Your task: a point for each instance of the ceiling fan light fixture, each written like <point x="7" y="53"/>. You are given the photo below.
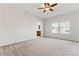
<point x="47" y="9"/>
<point x="47" y="6"/>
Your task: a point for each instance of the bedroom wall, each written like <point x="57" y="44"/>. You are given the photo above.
<point x="16" y="25"/>
<point x="73" y="18"/>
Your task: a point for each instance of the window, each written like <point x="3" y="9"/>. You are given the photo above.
<point x="55" y="28"/>
<point x="64" y="27"/>
<point x="61" y="27"/>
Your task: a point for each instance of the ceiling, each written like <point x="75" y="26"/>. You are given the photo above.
<point x="32" y="9"/>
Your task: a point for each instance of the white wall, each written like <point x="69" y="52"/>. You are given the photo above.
<point x="15" y="25"/>
<point x="74" y="26"/>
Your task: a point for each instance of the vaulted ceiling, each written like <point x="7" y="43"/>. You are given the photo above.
<point x="32" y="9"/>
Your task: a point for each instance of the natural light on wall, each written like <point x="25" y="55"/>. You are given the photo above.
<point x="38" y="26"/>
<point x="60" y="27"/>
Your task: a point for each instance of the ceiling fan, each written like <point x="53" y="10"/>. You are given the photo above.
<point x="47" y="7"/>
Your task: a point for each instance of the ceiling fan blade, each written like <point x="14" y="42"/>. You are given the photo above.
<point x="45" y="4"/>
<point x="41" y="8"/>
<point x="44" y="11"/>
<point x="53" y="5"/>
<point x="51" y="9"/>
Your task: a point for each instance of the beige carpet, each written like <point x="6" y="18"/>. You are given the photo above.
<point x="41" y="47"/>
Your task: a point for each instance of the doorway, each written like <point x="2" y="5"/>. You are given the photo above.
<point x="38" y="33"/>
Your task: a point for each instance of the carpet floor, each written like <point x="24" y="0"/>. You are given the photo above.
<point x="41" y="47"/>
